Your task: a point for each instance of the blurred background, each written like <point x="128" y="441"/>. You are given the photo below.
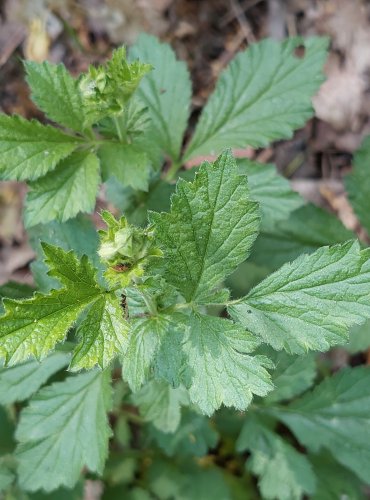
<point x="206" y="34"/>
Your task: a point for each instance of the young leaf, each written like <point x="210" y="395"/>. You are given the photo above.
<point x="335" y="416"/>
<point x="307" y="229"/>
<point x="166" y="91"/>
<point x="56" y="93"/>
<point x="358" y="184"/>
<point x="160" y="404"/>
<point x="264" y="95"/>
<point x="106" y="89"/>
<point x="63" y="193"/>
<point x="273" y="192"/>
<point x="64" y="428"/>
<point x="33" y="326"/>
<point x="312" y="302"/>
<point x="126" y="163"/>
<point x="103" y="334"/>
<point x="210" y="229"/>
<point x="18" y="383"/>
<point x="29" y="150"/>
<point x="283" y="473"/>
<point x="221" y="371"/>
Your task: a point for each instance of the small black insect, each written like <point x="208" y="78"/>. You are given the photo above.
<point x="124" y="306"/>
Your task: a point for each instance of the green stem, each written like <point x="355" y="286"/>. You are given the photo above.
<point x="172" y="171"/>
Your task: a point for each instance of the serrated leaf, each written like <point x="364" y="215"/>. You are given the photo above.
<point x="284" y="474"/>
<point x="103" y="334"/>
<point x="28" y="149"/>
<point x="166" y="91"/>
<point x="64" y="428"/>
<point x="304" y="231"/>
<point x="126" y="163"/>
<point x="277" y="199"/>
<point x="335" y="416"/>
<point x="194" y="436"/>
<point x="312" y="302"/>
<point x="292" y="375"/>
<point x="221" y="370"/>
<point x="76" y="274"/>
<point x="264" y="95"/>
<point x="18" y="383"/>
<point x="33" y="326"/>
<point x="160" y="404"/>
<point x="210" y="229"/>
<point x="56" y="93"/>
<point x="358" y="184"/>
<point x="63" y="193"/>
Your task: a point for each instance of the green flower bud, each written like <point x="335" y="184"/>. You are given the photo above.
<point x="125" y="249"/>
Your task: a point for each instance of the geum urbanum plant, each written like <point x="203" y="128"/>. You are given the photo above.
<point x="149" y="301"/>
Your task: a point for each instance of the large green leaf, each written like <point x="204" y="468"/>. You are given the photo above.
<point x="64" y="428"/>
<point x="210" y="229"/>
<point x="18" y="383"/>
<point x="221" y="370"/>
<point x="33" y="326"/>
<point x="56" y="93"/>
<point x="283" y="473"/>
<point x="335" y="416"/>
<point x="312" y="302"/>
<point x="63" y="193"/>
<point x="264" y="95"/>
<point x="29" y="150"/>
<point x="358" y="184"/>
<point x="166" y="91"/>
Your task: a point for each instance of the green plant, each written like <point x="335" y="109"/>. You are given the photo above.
<point x="158" y="314"/>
